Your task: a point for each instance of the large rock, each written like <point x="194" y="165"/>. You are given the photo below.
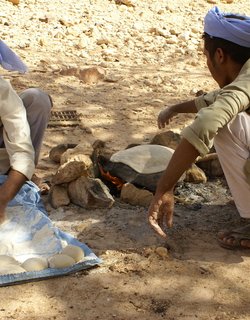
<point x="168" y="139"/>
<point x="72" y="170"/>
<point x="210" y="164"/>
<point x="57" y="151"/>
<point x="90" y="193"/>
<point x="59" y="196"/>
<point x="78" y="153"/>
<point x="195" y="175"/>
<point x="135" y="196"/>
<point x="91" y="75"/>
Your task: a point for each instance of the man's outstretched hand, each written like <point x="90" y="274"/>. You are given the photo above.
<point x="160" y="213"/>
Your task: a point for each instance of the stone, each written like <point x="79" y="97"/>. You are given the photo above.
<point x="72" y="170"/>
<point x="15" y="2"/>
<point x="84" y="149"/>
<point x="125" y="2"/>
<point x="90" y="193"/>
<point x="135" y="196"/>
<point x="91" y="75"/>
<point x="101" y="41"/>
<point x="168" y="139"/>
<point x="171" y="40"/>
<point x="195" y="175"/>
<point x="162" y="252"/>
<point x="215" y="169"/>
<point x="56" y="152"/>
<point x="58" y="196"/>
<point x="69" y="71"/>
<point x="210" y="164"/>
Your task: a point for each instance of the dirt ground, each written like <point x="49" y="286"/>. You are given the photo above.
<point x="152" y="55"/>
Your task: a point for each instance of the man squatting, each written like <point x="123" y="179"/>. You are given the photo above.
<point x="222" y="119"/>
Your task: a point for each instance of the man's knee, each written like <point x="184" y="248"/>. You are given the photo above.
<point x="35" y="97"/>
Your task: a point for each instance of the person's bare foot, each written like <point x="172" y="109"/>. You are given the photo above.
<point x="238" y="238"/>
<point x="43" y="186"/>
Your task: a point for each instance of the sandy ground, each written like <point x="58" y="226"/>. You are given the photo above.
<point x="152" y="55"/>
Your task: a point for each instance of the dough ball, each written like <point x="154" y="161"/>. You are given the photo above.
<point x="35" y="264"/>
<point x="11" y="269"/>
<point x="4" y="259"/>
<point x="61" y="261"/>
<point x="74" y="251"/>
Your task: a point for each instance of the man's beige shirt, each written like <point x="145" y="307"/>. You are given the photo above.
<point x="218" y="108"/>
<point x="18" y="153"/>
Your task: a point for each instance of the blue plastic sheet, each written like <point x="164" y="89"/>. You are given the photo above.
<point x="28" y="221"/>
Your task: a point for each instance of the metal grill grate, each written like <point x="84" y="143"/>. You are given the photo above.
<point x="64" y="118"/>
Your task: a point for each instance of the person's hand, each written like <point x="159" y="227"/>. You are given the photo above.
<point x="165" y="116"/>
<point x="161" y="212"/>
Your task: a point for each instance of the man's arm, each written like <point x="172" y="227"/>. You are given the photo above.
<point x="16" y="131"/>
<point x="17" y="141"/>
<point x="9" y="189"/>
<point x="168" y="113"/>
<point x="162" y="206"/>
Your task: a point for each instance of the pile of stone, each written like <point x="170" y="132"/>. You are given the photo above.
<point x="78" y="180"/>
<point x="75" y="179"/>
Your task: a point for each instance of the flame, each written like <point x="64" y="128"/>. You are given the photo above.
<point x="116" y="181"/>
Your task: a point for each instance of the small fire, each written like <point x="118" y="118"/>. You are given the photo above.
<point x="116" y="181"/>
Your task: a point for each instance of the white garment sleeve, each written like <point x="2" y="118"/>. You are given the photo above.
<point x="16" y="131"/>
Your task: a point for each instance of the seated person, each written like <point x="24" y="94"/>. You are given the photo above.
<point x="23" y="120"/>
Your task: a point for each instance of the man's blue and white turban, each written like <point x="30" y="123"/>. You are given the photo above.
<point x="228" y="26"/>
<point x="9" y="60"/>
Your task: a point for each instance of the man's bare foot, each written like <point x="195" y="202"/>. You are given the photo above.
<point x="43" y="186"/>
<point x="238" y="238"/>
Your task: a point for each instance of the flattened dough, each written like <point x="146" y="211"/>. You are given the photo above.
<point x="145" y="159"/>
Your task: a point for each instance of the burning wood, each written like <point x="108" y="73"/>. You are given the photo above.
<point x="107" y="176"/>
